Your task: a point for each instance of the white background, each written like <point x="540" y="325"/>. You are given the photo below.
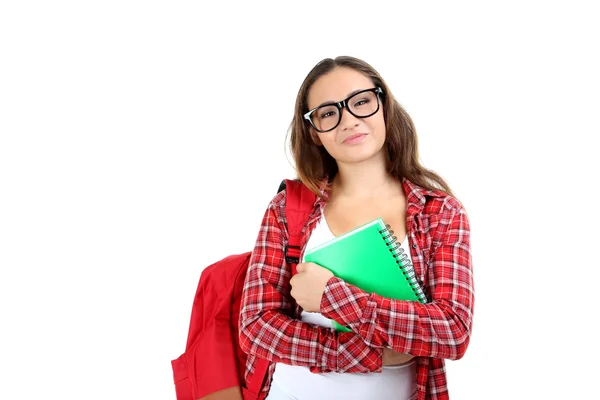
<point x="142" y="140"/>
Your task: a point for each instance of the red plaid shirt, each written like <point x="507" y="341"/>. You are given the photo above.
<point x="269" y="322"/>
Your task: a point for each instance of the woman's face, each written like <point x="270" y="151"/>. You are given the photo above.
<point x="354" y="139"/>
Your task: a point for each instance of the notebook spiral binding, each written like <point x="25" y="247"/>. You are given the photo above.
<point x="403" y="261"/>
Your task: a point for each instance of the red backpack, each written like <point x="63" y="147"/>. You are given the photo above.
<point x="213" y="365"/>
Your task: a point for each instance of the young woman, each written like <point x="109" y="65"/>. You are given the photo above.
<point x="356" y="148"/>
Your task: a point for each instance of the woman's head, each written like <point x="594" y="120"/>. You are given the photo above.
<point x="345" y="116"/>
<point x="373" y="118"/>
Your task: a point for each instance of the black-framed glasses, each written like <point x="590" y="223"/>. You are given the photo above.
<point x="362" y="104"/>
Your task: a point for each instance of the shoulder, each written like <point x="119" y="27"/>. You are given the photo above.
<point x="442" y="203"/>
<point x="299" y="196"/>
<point x="278" y="201"/>
<point x="439" y="215"/>
<point x="276" y="207"/>
<point x="432" y="201"/>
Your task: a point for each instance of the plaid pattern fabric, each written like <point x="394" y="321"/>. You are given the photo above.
<point x="269" y="321"/>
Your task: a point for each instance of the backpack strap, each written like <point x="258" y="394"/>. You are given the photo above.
<point x="299" y="202"/>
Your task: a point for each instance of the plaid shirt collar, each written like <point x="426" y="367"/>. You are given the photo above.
<point x="415" y="197"/>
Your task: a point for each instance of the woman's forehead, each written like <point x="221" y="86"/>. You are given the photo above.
<point x="337" y="85"/>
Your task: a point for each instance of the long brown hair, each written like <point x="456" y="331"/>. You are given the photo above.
<point x="314" y="165"/>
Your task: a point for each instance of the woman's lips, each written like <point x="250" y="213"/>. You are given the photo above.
<point x="354" y="139"/>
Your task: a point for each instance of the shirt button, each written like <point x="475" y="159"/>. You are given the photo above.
<point x="414" y="245"/>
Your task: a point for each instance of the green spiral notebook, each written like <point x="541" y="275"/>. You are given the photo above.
<point x="370" y="258"/>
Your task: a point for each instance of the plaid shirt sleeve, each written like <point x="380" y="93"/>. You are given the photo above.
<point x="441" y="328"/>
<point x="267" y="327"/>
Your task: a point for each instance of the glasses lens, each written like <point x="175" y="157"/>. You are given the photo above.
<point x="363" y="104"/>
<point x="326" y="117"/>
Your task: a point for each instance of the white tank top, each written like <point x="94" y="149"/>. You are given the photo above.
<point x="292" y="382"/>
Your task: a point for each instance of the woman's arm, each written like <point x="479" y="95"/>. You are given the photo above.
<point x="438" y="329"/>
<point x="267" y="328"/>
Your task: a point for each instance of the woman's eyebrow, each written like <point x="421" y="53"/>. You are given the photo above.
<point x="331" y="101"/>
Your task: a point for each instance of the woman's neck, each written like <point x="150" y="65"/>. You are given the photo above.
<point x="368" y="179"/>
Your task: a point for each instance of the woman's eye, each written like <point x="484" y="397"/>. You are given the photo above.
<point x="361" y="103"/>
<point x="327" y="114"/>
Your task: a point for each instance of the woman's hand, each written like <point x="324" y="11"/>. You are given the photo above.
<point x="392" y="357"/>
<point x="309" y="284"/>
